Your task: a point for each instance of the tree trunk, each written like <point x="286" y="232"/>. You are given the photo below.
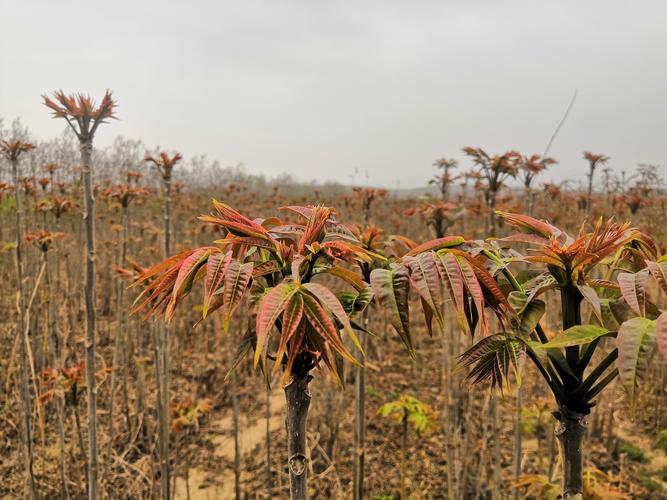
<point x="491" y="202"/>
<point x="25" y="378"/>
<point x="164" y="372"/>
<point x="570" y="431"/>
<point x="360" y="421"/>
<point x="235" y="425"/>
<point x="298" y="401"/>
<point x="167" y="216"/>
<point x="404" y="452"/>
<point x="89" y="291"/>
<point x="589" y="196"/>
<point x="517" y="439"/>
<point x="269" y="475"/>
<point x="119" y="348"/>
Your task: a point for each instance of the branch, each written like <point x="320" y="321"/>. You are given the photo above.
<point x="603" y="383"/>
<point x="560" y="124"/>
<point x="557" y="392"/>
<point x="597" y="372"/>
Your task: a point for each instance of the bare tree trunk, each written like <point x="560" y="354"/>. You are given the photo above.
<point x="163" y="455"/>
<point x="447" y="413"/>
<point x="89" y="291"/>
<point x="235" y="425"/>
<point x="491" y="204"/>
<point x="25" y="377"/>
<point x="298" y="401"/>
<point x="404" y="451"/>
<point x="360" y="420"/>
<point x="269" y="476"/>
<point x="589" y="196"/>
<point x="570" y="432"/>
<point x="495" y="453"/>
<point x="118" y="344"/>
<point x="517" y="439"/>
<point x="163" y="373"/>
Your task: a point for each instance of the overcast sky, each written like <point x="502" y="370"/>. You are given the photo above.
<point x="319" y="88"/>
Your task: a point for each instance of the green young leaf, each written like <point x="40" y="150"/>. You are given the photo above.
<point x="475" y="291"/>
<point x="356" y="302"/>
<point x="435" y="245"/>
<point x="237" y="278"/>
<point x="453" y="277"/>
<point x="659" y="272"/>
<point x="425" y="280"/>
<point x="609" y="320"/>
<point x="244" y="348"/>
<point x="392" y="287"/>
<point x="591" y="296"/>
<point x="576" y="335"/>
<point x="324" y="326"/>
<point x="186" y="276"/>
<point x="635" y="343"/>
<point x="661" y="335"/>
<point x="531" y="317"/>
<point x="529" y="310"/>
<point x="292" y="316"/>
<point x="215" y="273"/>
<point x="346" y="275"/>
<point x="491" y="358"/>
<point x="633" y="289"/>
<point x="270" y="308"/>
<point x="331" y="302"/>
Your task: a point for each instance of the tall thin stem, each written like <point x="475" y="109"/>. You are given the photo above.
<point x="89" y="292"/>
<point x="25" y="390"/>
<point x="298" y="401"/>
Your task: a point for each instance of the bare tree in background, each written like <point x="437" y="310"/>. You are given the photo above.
<point x="84" y="116"/>
<point x="529" y="168"/>
<point x="165" y="165"/>
<point x="12" y="151"/>
<point x="594" y="160"/>
<point x="446" y="179"/>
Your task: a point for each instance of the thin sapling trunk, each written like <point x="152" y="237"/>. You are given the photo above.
<point x="298" y="398"/>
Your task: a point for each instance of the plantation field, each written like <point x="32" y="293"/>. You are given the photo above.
<point x="429" y="431"/>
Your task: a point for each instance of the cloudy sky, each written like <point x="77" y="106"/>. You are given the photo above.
<point x="319" y="89"/>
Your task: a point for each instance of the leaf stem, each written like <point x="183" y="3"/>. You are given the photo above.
<point x="597" y="372"/>
<point x="603" y="383"/>
<point x="558" y="393"/>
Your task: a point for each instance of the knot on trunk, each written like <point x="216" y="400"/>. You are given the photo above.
<point x="306" y="390"/>
<point x="297" y="464"/>
<point x="564" y="416"/>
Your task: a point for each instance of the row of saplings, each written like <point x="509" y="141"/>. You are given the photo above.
<point x="299" y="321"/>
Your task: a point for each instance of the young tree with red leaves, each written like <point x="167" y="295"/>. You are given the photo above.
<point x="84" y="116"/>
<point x="124" y="194"/>
<point x="165" y="165"/>
<point x="280" y="264"/>
<point x="529" y="168"/>
<point x="12" y="151"/>
<point x="478" y="276"/>
<point x="446" y="179"/>
<point x="495" y="171"/>
<point x="594" y="160"/>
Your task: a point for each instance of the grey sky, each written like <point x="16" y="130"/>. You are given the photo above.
<point x="318" y="88"/>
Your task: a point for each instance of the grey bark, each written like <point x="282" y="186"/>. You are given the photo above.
<point x="269" y="475"/>
<point x="89" y="292"/>
<point x="163" y="372"/>
<point x="570" y="432"/>
<point x="235" y="424"/>
<point x="360" y="420"/>
<point x="119" y="348"/>
<point x="25" y="377"/>
<point x="298" y="398"/>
